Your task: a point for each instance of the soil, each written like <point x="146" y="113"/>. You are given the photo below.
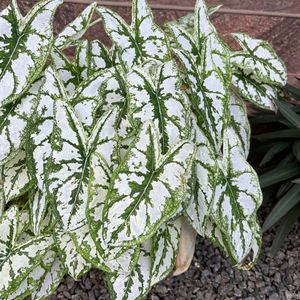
<point x="212" y="277"/>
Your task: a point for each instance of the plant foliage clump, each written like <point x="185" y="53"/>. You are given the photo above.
<point x="104" y="157"/>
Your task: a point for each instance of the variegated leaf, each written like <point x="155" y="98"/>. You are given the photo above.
<point x="164" y="250"/>
<point x="206" y="64"/>
<point x="161" y="100"/>
<point x="240" y="123"/>
<point x="20" y="261"/>
<point x="23" y="225"/>
<point x="260" y="94"/>
<point x="51" y="281"/>
<point x="237" y="198"/>
<point x="260" y="60"/>
<point x="38" y="147"/>
<point x="136" y="284"/>
<point x="204" y="184"/>
<point x="69" y="168"/>
<point x="38" y="210"/>
<point x="141" y="41"/>
<point x="8" y="231"/>
<point x="14" y="120"/>
<point x="76" y="29"/>
<point x="146" y="189"/>
<point x="33" y="279"/>
<point x="67" y="175"/>
<point x="70" y="74"/>
<point x="92" y="56"/>
<point x="16" y="179"/>
<point x="187" y="22"/>
<point x="112" y="258"/>
<point x="88" y="97"/>
<point x="24" y="47"/>
<point x="2" y="200"/>
<point x="76" y="266"/>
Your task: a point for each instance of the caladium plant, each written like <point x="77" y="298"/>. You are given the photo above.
<point x="116" y="158"/>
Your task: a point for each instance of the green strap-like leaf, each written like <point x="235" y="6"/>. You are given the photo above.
<point x="16" y="179"/>
<point x="14" y="122"/>
<point x="261" y="95"/>
<point x="160" y="99"/>
<point x="24" y="47"/>
<point x="146" y="189"/>
<point x="21" y="261"/>
<point x="259" y="59"/>
<point x="76" y="29"/>
<point x="76" y="266"/>
<point x="8" y="231"/>
<point x="141" y="41"/>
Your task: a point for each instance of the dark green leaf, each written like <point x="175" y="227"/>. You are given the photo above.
<point x="279" y="174"/>
<point x="285" y="228"/>
<point x="286" y="203"/>
<point x="277" y="148"/>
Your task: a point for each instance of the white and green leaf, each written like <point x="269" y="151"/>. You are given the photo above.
<point x="135" y="284"/>
<point x="240" y="123"/>
<point x="260" y="94"/>
<point x="50" y="282"/>
<point x="203" y="183"/>
<point x="237" y="199"/>
<point x="67" y="176"/>
<point x="75" y="265"/>
<point x="8" y="231"/>
<point x="14" y="122"/>
<point x="76" y="29"/>
<point x="38" y="148"/>
<point x="38" y="210"/>
<point x="33" y="279"/>
<point x="164" y="250"/>
<point x="141" y="41"/>
<point x="146" y="189"/>
<point x="259" y="59"/>
<point x="24" y="47"/>
<point x="161" y="100"/>
<point x="16" y="179"/>
<point x="20" y="261"/>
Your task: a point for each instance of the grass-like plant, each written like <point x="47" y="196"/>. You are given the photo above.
<point x="109" y="159"/>
<point x="278" y="151"/>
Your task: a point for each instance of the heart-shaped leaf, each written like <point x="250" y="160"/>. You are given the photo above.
<point x="146" y="189"/>
<point x="141" y="41"/>
<point x="160" y="99"/>
<point x="24" y="47"/>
